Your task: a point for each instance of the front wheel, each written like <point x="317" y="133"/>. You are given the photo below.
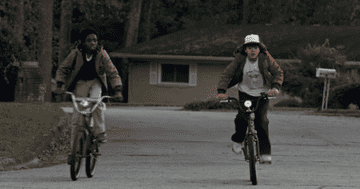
<point x="91" y="158"/>
<point x="76" y="155"/>
<point x="252" y="159"/>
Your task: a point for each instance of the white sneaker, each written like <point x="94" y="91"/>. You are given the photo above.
<point x="265" y="159"/>
<point x="237" y="147"/>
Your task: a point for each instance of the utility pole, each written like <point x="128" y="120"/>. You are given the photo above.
<point x="45" y="59"/>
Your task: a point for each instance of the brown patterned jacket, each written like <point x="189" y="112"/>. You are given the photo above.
<point x="70" y="67"/>
<point x="269" y="69"/>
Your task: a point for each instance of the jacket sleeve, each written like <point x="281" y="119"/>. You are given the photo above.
<point x="111" y="72"/>
<point x="276" y="72"/>
<point x="226" y="76"/>
<point x="65" y="68"/>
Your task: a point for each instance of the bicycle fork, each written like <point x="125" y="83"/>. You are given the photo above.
<point x="91" y="139"/>
<point x="251" y="131"/>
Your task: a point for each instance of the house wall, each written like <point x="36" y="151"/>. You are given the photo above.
<point x="141" y="92"/>
<point x="208" y="75"/>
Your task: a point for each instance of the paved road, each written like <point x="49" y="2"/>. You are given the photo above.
<point x="156" y="147"/>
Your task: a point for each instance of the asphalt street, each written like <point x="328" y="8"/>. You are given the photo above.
<point x="162" y="147"/>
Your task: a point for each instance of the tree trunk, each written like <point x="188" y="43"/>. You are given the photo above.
<point x="246" y="12"/>
<point x="19" y="22"/>
<point x="133" y="23"/>
<point x="45" y="59"/>
<point x="148" y="22"/>
<point x="65" y="24"/>
<point x="131" y="39"/>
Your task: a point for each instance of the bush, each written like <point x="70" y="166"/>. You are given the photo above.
<point x="342" y="96"/>
<point x="210" y="104"/>
<point x="288" y="103"/>
<point x="28" y="131"/>
<point x="301" y="80"/>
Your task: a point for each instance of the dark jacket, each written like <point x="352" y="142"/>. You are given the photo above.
<point x="70" y="67"/>
<point x="269" y="69"/>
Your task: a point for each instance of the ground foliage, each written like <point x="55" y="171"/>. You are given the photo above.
<point x="32" y="130"/>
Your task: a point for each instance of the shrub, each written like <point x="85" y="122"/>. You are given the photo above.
<point x="28" y="131"/>
<point x="210" y="104"/>
<point x="301" y="80"/>
<point x="342" y="96"/>
<point x="292" y="102"/>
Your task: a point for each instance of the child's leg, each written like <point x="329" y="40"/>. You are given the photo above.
<point x="262" y="128"/>
<point x="98" y="115"/>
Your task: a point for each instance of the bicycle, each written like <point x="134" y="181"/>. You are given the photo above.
<point x="85" y="144"/>
<point x="251" y="142"/>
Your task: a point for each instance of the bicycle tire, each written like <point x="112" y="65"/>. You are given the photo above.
<point x="91" y="159"/>
<point x="77" y="155"/>
<point x="252" y="160"/>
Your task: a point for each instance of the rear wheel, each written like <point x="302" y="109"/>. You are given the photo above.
<point x="252" y="159"/>
<point x="76" y="155"/>
<point x="91" y="158"/>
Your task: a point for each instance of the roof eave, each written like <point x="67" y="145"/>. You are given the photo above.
<point x="172" y="57"/>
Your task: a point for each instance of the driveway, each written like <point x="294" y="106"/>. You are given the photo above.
<point x="162" y="147"/>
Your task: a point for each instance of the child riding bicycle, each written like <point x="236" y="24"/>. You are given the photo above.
<point x="85" y="72"/>
<point x="254" y="71"/>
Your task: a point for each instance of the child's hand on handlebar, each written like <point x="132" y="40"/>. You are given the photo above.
<point x="59" y="91"/>
<point x="118" y="95"/>
<point x="273" y="92"/>
<point x="222" y="96"/>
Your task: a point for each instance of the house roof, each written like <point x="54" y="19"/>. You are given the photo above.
<point x="170" y="57"/>
<point x="218" y="59"/>
<point x="282" y="41"/>
<point x="215" y="59"/>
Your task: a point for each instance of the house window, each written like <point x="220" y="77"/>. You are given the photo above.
<point x="175" y="73"/>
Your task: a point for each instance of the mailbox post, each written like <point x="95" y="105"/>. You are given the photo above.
<point x="327" y="74"/>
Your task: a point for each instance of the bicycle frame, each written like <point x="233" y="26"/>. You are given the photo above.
<point x="250" y="116"/>
<point x="86" y="102"/>
<point x="251" y="150"/>
<point x="86" y="136"/>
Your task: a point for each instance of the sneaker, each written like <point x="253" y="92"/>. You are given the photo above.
<point x="102" y="138"/>
<point x="265" y="159"/>
<point x="238" y="148"/>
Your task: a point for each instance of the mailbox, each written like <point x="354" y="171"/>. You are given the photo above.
<point x="322" y="72"/>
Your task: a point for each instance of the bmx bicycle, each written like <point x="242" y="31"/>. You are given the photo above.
<point x="251" y="141"/>
<point x="85" y="144"/>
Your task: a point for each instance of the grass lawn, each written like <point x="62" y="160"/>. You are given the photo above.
<point x="31" y="130"/>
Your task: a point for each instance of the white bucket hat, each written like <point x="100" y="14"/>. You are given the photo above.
<point x="252" y="38"/>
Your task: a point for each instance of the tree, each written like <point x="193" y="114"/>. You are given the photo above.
<point x="133" y="23"/>
<point x="246" y="12"/>
<point x="148" y="22"/>
<point x="65" y="28"/>
<point x="45" y="59"/>
<point x="19" y="22"/>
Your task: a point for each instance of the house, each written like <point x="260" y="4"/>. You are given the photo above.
<point x="172" y="79"/>
<point x="185" y="66"/>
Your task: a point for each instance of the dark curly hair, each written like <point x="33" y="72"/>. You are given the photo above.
<point x="85" y="33"/>
<point x="241" y="49"/>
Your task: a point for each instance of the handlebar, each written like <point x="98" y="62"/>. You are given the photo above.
<point x="263" y="95"/>
<point x="85" y="101"/>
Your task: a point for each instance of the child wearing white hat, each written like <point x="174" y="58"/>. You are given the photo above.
<point x="253" y="71"/>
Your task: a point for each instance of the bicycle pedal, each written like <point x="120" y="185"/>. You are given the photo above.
<point x="79" y="156"/>
<point x="96" y="154"/>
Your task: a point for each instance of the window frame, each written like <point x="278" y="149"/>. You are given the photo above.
<point x="156" y="74"/>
